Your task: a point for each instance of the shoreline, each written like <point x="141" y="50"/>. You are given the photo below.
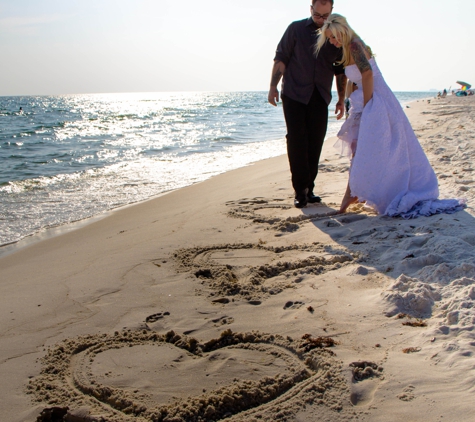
<point x="51" y="232"/>
<point x="222" y="288"/>
<point x="35" y="204"/>
<point x="47" y="233"/>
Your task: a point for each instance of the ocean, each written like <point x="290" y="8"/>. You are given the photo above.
<point x="71" y="157"/>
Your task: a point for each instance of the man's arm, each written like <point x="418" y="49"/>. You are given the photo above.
<point x="341" y="88"/>
<point x="278" y="71"/>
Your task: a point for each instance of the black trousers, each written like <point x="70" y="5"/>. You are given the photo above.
<point x="306" y="130"/>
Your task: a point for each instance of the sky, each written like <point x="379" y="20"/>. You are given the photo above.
<point x="50" y="47"/>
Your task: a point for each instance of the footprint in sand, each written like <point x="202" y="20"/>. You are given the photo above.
<point x="365" y="381"/>
<point x="156" y="317"/>
<point x="348" y="219"/>
<point x="293" y="305"/>
<point x="332" y="223"/>
<point x="407" y="394"/>
<point x="224" y="320"/>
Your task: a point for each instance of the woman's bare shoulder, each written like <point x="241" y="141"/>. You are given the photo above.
<point x="359" y="55"/>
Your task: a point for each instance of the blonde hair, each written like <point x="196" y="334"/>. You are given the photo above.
<point x="338" y="26"/>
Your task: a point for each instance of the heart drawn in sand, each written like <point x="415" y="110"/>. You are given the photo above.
<point x="144" y="375"/>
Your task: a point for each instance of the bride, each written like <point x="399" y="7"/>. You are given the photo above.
<point x="389" y="169"/>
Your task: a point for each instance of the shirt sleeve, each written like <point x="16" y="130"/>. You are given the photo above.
<point x="285" y="47"/>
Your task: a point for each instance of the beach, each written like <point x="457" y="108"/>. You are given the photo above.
<point x="222" y="301"/>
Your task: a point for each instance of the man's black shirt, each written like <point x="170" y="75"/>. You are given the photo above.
<point x="303" y="69"/>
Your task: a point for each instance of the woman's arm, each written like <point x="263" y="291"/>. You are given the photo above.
<point x="358" y="52"/>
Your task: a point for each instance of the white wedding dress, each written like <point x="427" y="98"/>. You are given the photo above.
<point x="389" y="170"/>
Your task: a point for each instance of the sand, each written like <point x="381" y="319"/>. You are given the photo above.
<point x="223" y="301"/>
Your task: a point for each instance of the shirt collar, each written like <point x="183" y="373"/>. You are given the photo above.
<point x="310" y="22"/>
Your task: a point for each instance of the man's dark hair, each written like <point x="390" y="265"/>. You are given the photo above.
<point x="322" y="1"/>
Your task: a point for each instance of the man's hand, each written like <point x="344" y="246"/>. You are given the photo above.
<point x="273" y="96"/>
<point x="340" y="109"/>
<point x="341" y="85"/>
<point x="277" y="71"/>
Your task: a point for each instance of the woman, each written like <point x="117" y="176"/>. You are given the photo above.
<point x="389" y="169"/>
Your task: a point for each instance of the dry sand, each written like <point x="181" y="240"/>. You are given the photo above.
<point x="221" y="300"/>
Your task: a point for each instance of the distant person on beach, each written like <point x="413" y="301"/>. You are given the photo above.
<point x="389" y="169"/>
<point x="306" y="94"/>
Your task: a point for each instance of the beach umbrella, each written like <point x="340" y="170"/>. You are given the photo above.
<point x="465" y="85"/>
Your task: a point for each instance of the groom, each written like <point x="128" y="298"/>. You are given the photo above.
<point x="306" y="94"/>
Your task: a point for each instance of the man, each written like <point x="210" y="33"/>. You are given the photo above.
<point x="306" y="94"/>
